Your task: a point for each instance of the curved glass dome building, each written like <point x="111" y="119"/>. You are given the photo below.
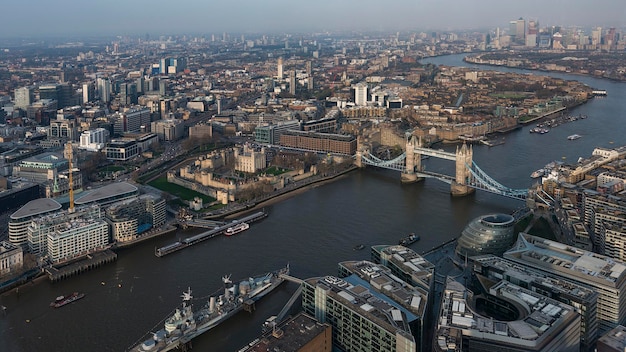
<point x="488" y="234"/>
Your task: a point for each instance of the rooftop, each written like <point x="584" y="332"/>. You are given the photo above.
<point x="357" y="294"/>
<point x="112" y="190"/>
<point x="615" y="338"/>
<point x="36" y="207"/>
<point x="568" y="260"/>
<point x="382" y="280"/>
<point x="543" y="316"/>
<point x="292" y="335"/>
<point x="526" y="274"/>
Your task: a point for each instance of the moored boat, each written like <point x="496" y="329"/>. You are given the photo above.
<point x="236" y="229"/>
<point x="538" y="173"/>
<point x="63" y="300"/>
<point x="573" y="137"/>
<point x="411" y="238"/>
<point x="185" y="324"/>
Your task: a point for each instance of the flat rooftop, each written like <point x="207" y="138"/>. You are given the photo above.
<point x="382" y="280"/>
<point x="357" y="294"/>
<point x="526" y="274"/>
<point x="543" y="318"/>
<point x="568" y="260"/>
<point x="296" y="333"/>
<point x="615" y="338"/>
<point x="36" y="207"/>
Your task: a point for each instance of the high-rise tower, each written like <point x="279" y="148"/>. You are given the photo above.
<point x="280" y="68"/>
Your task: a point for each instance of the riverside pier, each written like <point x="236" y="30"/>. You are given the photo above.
<point x="219" y="230"/>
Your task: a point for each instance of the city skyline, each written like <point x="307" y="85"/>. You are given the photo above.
<point x="75" y="18"/>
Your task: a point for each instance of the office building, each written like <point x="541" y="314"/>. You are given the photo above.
<point x="383" y="281"/>
<point x="605" y="275"/>
<point x="128" y="94"/>
<point x="121" y="149"/>
<point x="292" y="82"/>
<point x="301" y="333"/>
<point x="517" y="31"/>
<point x="168" y="130"/>
<point x="17" y="193"/>
<point x="24" y="97"/>
<point x="613" y="341"/>
<point x="11" y="258"/>
<point x="133" y="120"/>
<point x="280" y="74"/>
<point x="42" y="111"/>
<point x="89" y="92"/>
<point x="94" y="140"/>
<point x="360" y="94"/>
<point x="323" y="125"/>
<point x="362" y="319"/>
<point x="405" y="264"/>
<point x="108" y="194"/>
<point x="582" y="298"/>
<point x="270" y="133"/>
<point x="600" y="211"/>
<point x="63" y="128"/>
<point x="65" y="235"/>
<point x="104" y="89"/>
<point x="201" y="131"/>
<point x="131" y="217"/>
<point x="172" y="66"/>
<point x="506" y="318"/>
<point x="319" y="142"/>
<point x="62" y="93"/>
<point x="488" y="234"/>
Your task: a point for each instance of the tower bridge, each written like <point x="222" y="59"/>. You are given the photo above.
<point x="468" y="176"/>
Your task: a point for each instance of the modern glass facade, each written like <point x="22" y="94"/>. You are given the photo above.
<point x="488" y="234"/>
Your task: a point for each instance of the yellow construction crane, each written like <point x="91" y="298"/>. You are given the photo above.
<point x="68" y="150"/>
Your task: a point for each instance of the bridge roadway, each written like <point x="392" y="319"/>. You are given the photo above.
<point x="190" y="241"/>
<point x="441" y="154"/>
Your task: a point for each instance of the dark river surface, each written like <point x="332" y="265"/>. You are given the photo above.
<point x="312" y="231"/>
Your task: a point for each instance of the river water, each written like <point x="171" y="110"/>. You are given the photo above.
<point x="312" y="231"/>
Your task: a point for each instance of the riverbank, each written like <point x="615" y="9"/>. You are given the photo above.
<point x="278" y="196"/>
<point x="476" y="60"/>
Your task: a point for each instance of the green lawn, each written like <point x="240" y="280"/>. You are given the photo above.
<point x="275" y="171"/>
<point x="113" y="168"/>
<point x="179" y="191"/>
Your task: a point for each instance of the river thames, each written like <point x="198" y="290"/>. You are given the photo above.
<point x="311" y="231"/>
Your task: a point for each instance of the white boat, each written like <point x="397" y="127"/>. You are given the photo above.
<point x="573" y="137"/>
<point x="538" y="173"/>
<point x="236" y="229"/>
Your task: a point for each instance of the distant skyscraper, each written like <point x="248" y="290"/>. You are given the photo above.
<point x="292" y="82"/>
<point x="24" y="97"/>
<point x="360" y="94"/>
<point x="128" y="93"/>
<point x="104" y="89"/>
<point x="89" y="92"/>
<point x="517" y="30"/>
<point x="280" y="68"/>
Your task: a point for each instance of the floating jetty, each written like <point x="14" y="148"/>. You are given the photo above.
<point x="90" y="261"/>
<point x="492" y="142"/>
<point x="190" y="241"/>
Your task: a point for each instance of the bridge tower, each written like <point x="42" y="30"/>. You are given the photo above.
<point x="463" y="176"/>
<point x="413" y="160"/>
<point x="358" y="161"/>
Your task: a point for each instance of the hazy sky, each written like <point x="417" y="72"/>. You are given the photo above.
<point x="119" y="17"/>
